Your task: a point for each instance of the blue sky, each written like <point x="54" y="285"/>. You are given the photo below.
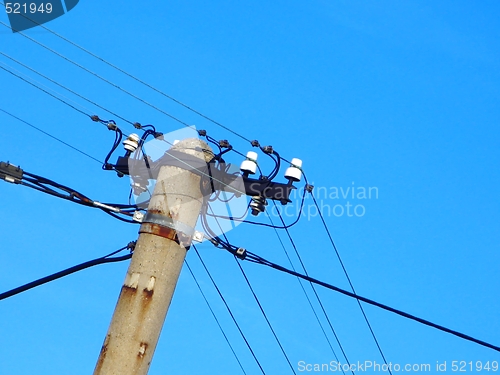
<point x="400" y="96"/>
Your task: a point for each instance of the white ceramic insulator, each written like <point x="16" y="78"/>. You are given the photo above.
<point x="296" y="163"/>
<point x="131" y="143"/>
<point x="294" y="172"/>
<point x="252" y="155"/>
<point x="249" y="165"/>
<point x="176" y="141"/>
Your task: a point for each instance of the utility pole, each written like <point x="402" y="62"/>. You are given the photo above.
<point x="166" y="231"/>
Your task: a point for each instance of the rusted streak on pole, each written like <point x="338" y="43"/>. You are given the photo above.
<point x="153" y="272"/>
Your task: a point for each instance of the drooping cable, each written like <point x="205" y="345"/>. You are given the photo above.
<point x="44" y="280"/>
<point x="215" y="316"/>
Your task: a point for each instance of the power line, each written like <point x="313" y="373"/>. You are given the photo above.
<point x="315" y="292"/>
<point x="305" y="293"/>
<point x="45" y="91"/>
<point x="349" y="280"/>
<point x="131" y="76"/>
<point x="16" y="175"/>
<point x="167" y="153"/>
<point x="88" y="115"/>
<point x="100" y="77"/>
<point x="257" y="299"/>
<point x="44" y="280"/>
<point x="107" y="81"/>
<point x="259" y="260"/>
<point x="65" y="88"/>
<point x="96" y="118"/>
<point x="55" y="138"/>
<point x="215" y="316"/>
<point x="137" y="80"/>
<point x="264" y="314"/>
<point x="246" y="139"/>
<point x="229" y="310"/>
<point x="346" y="274"/>
<point x="51" y="136"/>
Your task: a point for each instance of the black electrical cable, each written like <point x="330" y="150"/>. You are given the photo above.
<point x="213" y="141"/>
<point x="277" y="164"/>
<point x="129" y="221"/>
<point x="69" y="271"/>
<point x="219" y="155"/>
<point x="215" y="316"/>
<point x="146" y="127"/>
<point x="206" y="226"/>
<point x="305" y="293"/>
<point x="116" y="143"/>
<point x="259" y="260"/>
<point x="83" y="203"/>
<point x="39" y="183"/>
<point x="229" y="310"/>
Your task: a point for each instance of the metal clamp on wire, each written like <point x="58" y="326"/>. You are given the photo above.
<point x="166" y="227"/>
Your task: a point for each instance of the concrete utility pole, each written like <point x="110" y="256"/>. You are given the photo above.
<point x="155" y="267"/>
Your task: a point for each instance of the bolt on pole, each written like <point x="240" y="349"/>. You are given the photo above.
<point x="155" y="266"/>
